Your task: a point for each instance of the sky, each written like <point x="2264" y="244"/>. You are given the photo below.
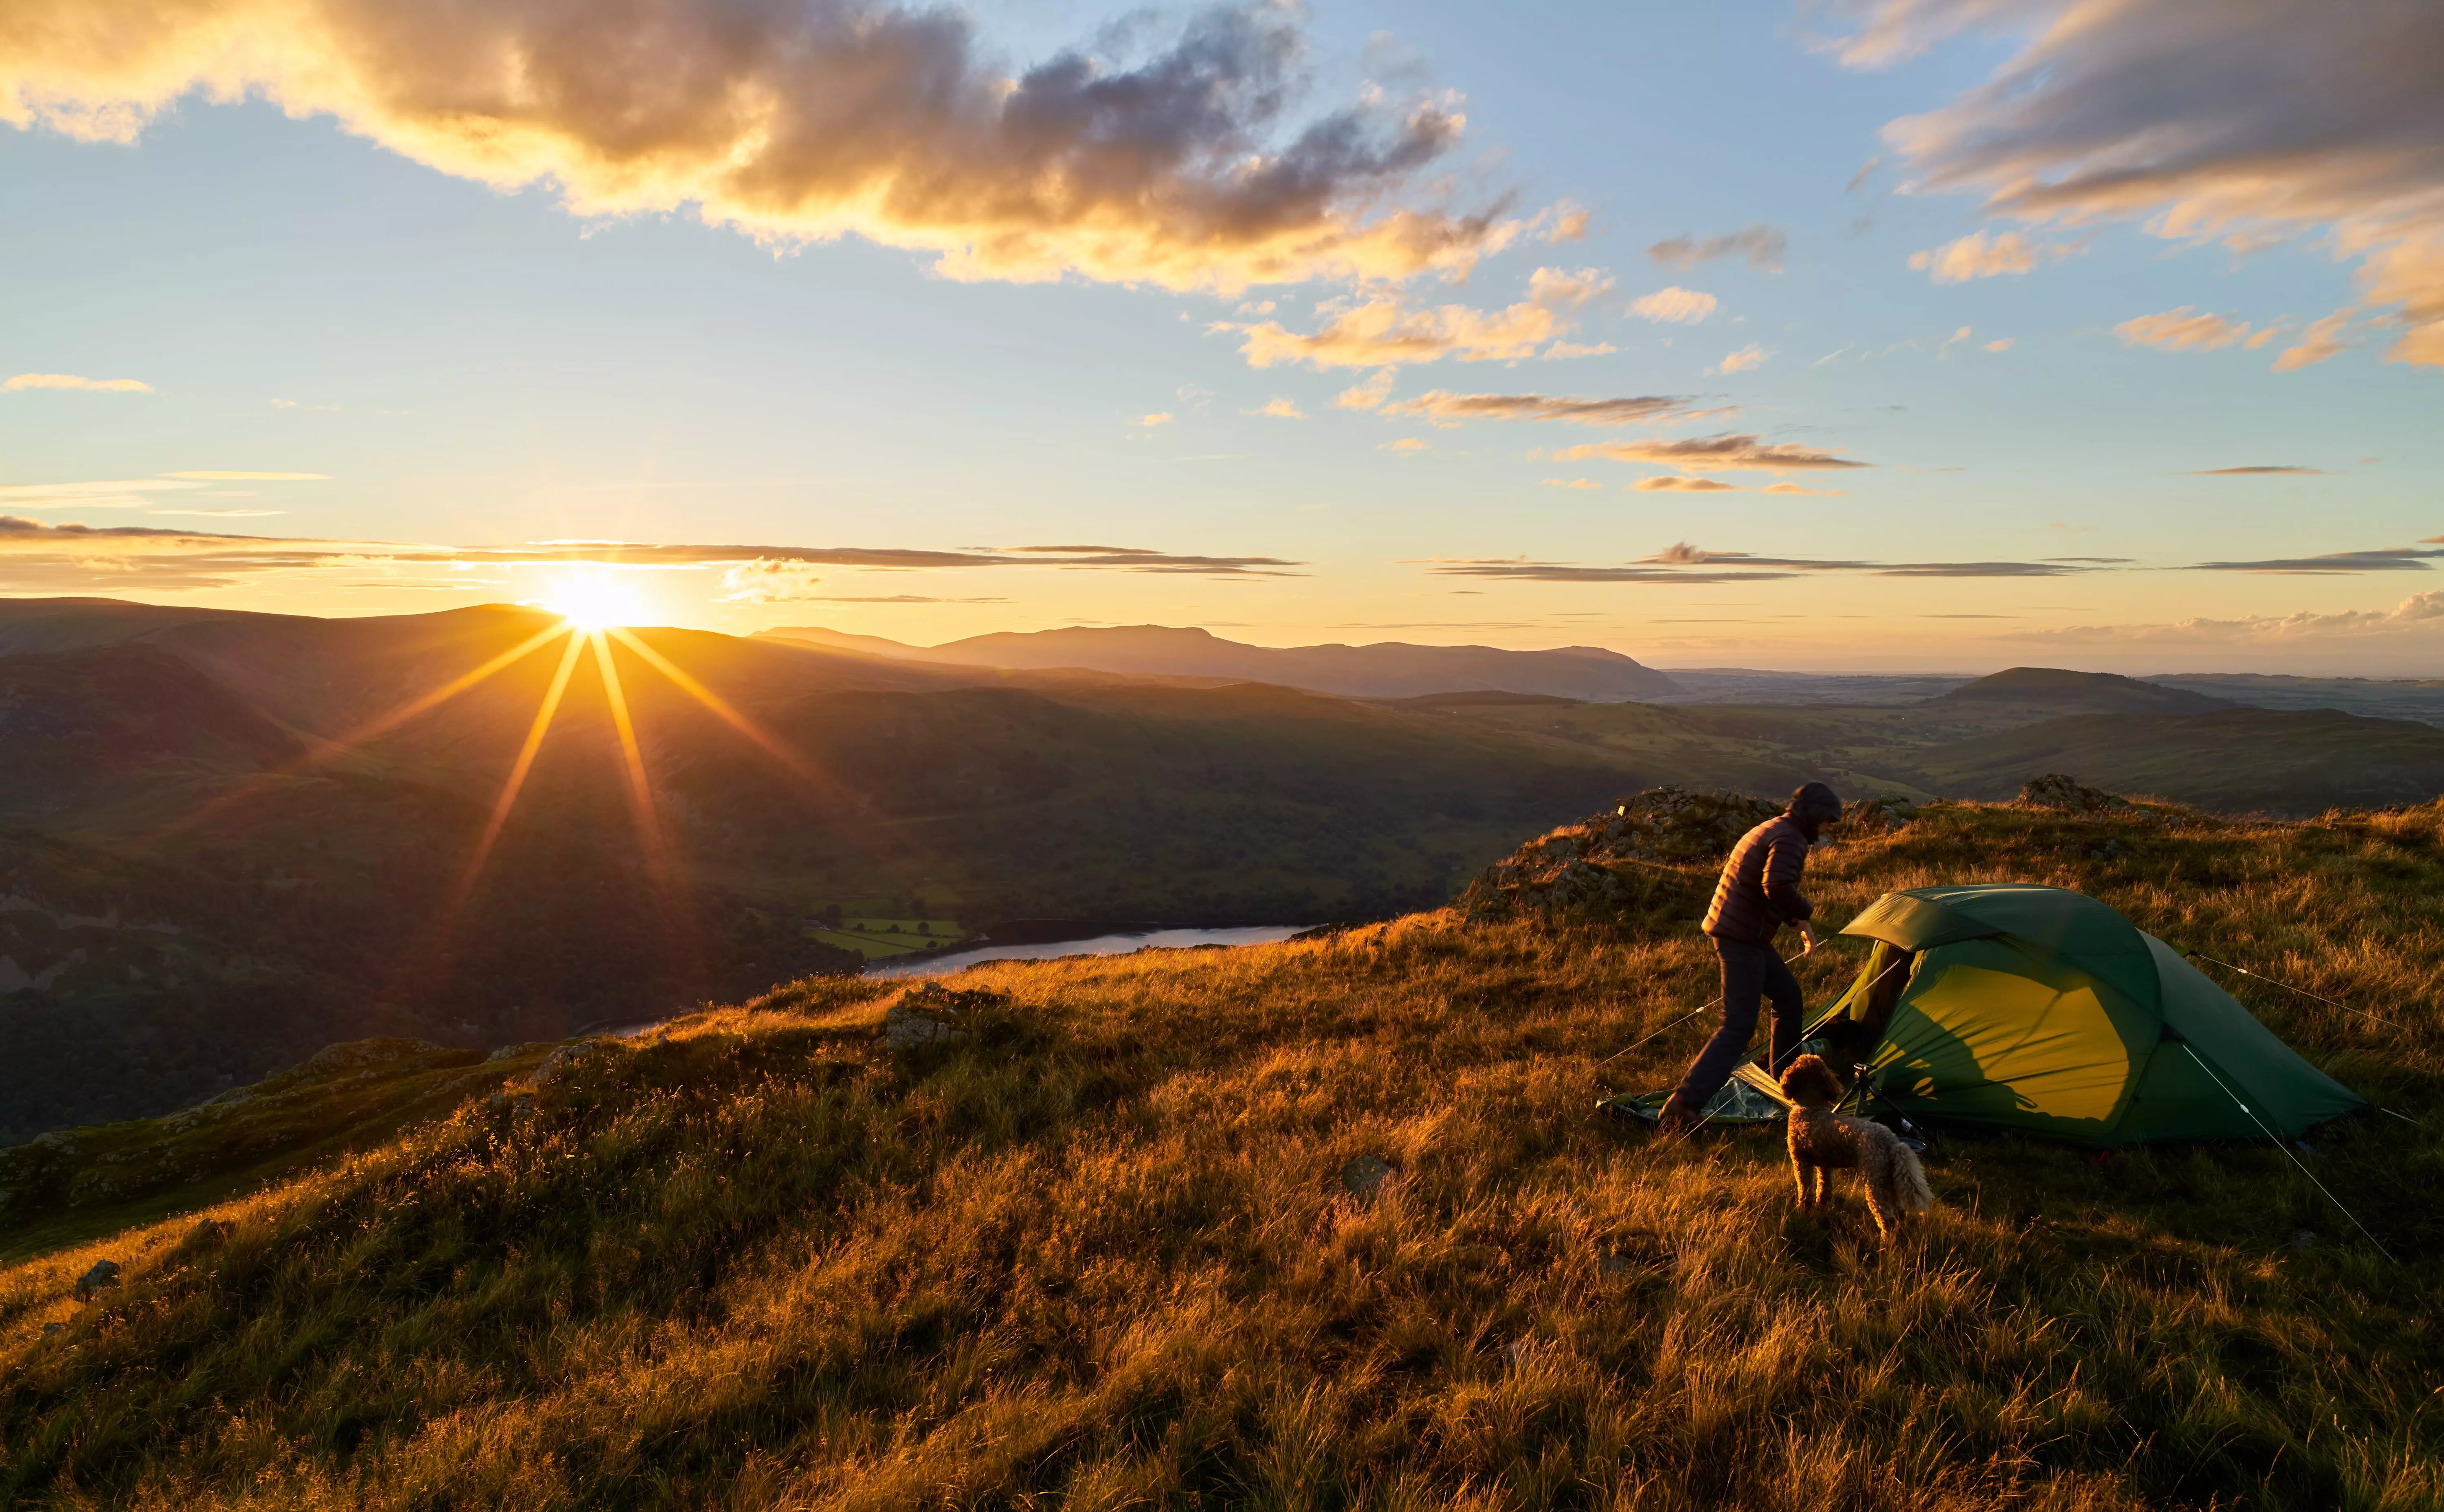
<point x="1899" y="335"/>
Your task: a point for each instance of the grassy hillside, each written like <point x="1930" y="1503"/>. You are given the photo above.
<point x="1100" y="1250"/>
<point x="2244" y="760"/>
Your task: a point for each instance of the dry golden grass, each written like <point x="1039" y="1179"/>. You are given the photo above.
<point x="1097" y="1254"/>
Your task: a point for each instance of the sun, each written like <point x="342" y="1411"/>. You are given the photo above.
<point x="594" y="603"/>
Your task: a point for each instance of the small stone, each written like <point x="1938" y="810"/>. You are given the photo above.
<point x="1517" y="1350"/>
<point x="1613" y="1263"/>
<point x="93" y="1282"/>
<point x="558" y="1065"/>
<point x="2304" y="1238"/>
<point x="1365" y="1175"/>
<point x="54" y="1330"/>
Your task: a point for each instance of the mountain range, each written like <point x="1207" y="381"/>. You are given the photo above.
<point x="1385" y="670"/>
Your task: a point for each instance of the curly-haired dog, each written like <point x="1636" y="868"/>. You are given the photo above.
<point x="1822" y="1140"/>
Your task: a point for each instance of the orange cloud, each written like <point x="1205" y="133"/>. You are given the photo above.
<point x="1732" y="454"/>
<point x="1974" y="256"/>
<point x="70" y="381"/>
<point x="1383" y="332"/>
<point x="805" y="121"/>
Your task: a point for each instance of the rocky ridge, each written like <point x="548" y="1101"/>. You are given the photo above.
<point x="1653" y="851"/>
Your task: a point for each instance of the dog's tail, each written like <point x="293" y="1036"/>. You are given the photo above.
<point x="1916" y="1194"/>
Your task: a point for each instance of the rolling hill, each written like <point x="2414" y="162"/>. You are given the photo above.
<point x="1386" y="670"/>
<point x="2056" y="691"/>
<point x="1108" y="1248"/>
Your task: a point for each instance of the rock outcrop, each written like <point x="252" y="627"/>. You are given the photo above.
<point x="1655" y="852"/>
<point x="2058" y="790"/>
<point x="930" y="1013"/>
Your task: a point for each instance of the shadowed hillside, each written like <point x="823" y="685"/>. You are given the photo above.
<point x="2241" y="760"/>
<point x="297" y="821"/>
<point x="1101" y="1249"/>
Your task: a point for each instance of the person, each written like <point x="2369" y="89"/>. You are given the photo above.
<point x="1756" y="896"/>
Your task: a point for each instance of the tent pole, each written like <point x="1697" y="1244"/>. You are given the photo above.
<point x="2286" y="1151"/>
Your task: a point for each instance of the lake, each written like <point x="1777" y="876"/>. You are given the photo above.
<point x="1100" y="945"/>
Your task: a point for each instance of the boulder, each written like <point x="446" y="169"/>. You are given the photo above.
<point x="2059" y="791"/>
<point x="930" y="1013"/>
<point x="558" y="1066"/>
<point x="1364" y="1176"/>
<point x="103" y="1275"/>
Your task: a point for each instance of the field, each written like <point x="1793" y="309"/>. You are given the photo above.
<point x="1100" y="1253"/>
<point x="880" y="939"/>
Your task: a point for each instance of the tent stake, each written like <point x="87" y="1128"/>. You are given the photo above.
<point x="2286" y="1152"/>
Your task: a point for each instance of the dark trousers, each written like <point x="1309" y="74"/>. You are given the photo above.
<point x="1751" y="972"/>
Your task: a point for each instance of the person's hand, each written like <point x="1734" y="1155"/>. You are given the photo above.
<point x="1807" y="939"/>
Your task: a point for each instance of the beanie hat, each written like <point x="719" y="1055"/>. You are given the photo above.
<point x="1814" y="801"/>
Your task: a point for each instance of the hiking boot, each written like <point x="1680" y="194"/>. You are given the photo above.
<point x="1677" y="1117"/>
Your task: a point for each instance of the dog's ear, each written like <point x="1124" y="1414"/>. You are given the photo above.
<point x="1795" y="1076"/>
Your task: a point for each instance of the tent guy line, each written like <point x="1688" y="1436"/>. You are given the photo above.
<point x="2287" y="1152"/>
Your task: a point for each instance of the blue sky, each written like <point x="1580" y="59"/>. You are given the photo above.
<point x="835" y="431"/>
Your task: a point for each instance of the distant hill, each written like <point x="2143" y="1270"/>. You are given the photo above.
<point x="1385" y="670"/>
<point x="2419" y="699"/>
<point x="2280" y="762"/>
<point x="2078" y="692"/>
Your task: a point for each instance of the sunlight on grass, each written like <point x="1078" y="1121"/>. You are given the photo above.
<point x="1097" y="1252"/>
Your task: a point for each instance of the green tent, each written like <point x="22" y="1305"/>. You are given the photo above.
<point x="2041" y="1009"/>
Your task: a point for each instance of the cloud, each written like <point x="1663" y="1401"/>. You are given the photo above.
<point x="2259" y="471"/>
<point x="2322" y="340"/>
<point x="798" y="120"/>
<point x="1157" y="417"/>
<point x="2384" y="558"/>
<point x="252" y="477"/>
<point x="70" y="381"/>
<point x="1441" y="406"/>
<point x="114" y="493"/>
<point x="1523" y="570"/>
<point x="1726" y="453"/>
<point x="1367" y="395"/>
<point x="1751" y="356"/>
<point x="892" y="598"/>
<point x="1382" y="331"/>
<point x="1763" y="246"/>
<point x="1670" y="483"/>
<point x="1406" y="446"/>
<point x="1572" y="482"/>
<point x="1280" y="409"/>
<point x="1686" y="564"/>
<point x="1976" y="257"/>
<point x="2207" y="120"/>
<point x="1794" y="487"/>
<point x="2420" y="613"/>
<point x="1570" y="223"/>
<point x="35" y="557"/>
<point x="1566" y="349"/>
<point x="767" y="582"/>
<point x="1673" y="305"/>
<point x="2001" y="343"/>
<point x="2178" y="330"/>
